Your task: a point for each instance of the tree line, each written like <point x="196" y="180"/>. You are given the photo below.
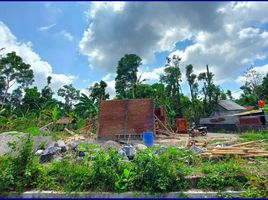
<point x="18" y="96"/>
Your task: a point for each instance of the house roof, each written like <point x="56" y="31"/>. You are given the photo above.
<point x="247" y="113"/>
<point x="230" y="105"/>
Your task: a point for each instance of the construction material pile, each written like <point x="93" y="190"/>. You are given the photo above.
<point x="245" y="150"/>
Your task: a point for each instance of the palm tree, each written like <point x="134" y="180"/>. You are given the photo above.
<point x="86" y="106"/>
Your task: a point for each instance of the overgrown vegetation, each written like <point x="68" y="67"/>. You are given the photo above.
<point x="156" y="169"/>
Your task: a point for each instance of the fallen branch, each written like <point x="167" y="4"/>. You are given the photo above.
<point x="68" y="131"/>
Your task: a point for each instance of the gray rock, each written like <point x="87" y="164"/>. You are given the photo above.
<point x="130" y="151"/>
<point x="15" y="137"/>
<point x="39" y="152"/>
<point x="47" y="155"/>
<point x="161" y="150"/>
<point x="111" y="144"/>
<point x="61" y="144"/>
<point x="140" y="147"/>
<point x="72" y="145"/>
<point x="42" y="140"/>
<point x="80" y="154"/>
<point x="122" y="154"/>
<point x="7" y="138"/>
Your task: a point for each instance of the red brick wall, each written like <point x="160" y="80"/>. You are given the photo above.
<point x="133" y="115"/>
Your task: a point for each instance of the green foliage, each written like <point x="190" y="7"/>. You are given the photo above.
<point x="254" y="136"/>
<point x="70" y="95"/>
<point x="21" y="172"/>
<point x="97" y="92"/>
<point x="86" y="107"/>
<point x="221" y="174"/>
<point x="126" y="75"/>
<point x="257" y="187"/>
<point x="210" y="91"/>
<point x="172" y="79"/>
<point x="13" y="71"/>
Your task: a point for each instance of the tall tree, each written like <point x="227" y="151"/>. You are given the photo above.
<point x="252" y="89"/>
<point x="126" y="78"/>
<point x="229" y="95"/>
<point x="97" y="92"/>
<point x="210" y="91"/>
<point x="265" y="88"/>
<point x="192" y="81"/>
<point x="31" y="100"/>
<point x="70" y="95"/>
<point x="13" y="71"/>
<point x="172" y="79"/>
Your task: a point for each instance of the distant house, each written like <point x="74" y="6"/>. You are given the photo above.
<point x="232" y="117"/>
<point x="227" y="107"/>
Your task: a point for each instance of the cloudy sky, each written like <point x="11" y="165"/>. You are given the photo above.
<point x="81" y="42"/>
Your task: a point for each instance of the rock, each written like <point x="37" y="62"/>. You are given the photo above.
<point x="111" y="144"/>
<point x="161" y="150"/>
<point x="122" y="154"/>
<point x="80" y="154"/>
<point x="130" y="151"/>
<point x="9" y="137"/>
<point x="72" y="145"/>
<point x="61" y="144"/>
<point x="140" y="147"/>
<point x="196" y="149"/>
<point x="39" y="152"/>
<point x="47" y="155"/>
<point x="45" y="141"/>
<point x="14" y="137"/>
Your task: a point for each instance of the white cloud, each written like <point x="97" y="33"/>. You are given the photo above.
<point x="66" y="35"/>
<point x="41" y="68"/>
<point x="46" y="28"/>
<point x="262" y="70"/>
<point x="142" y="28"/>
<point x="228" y="36"/>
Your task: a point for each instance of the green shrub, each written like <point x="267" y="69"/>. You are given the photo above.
<point x="20" y="172"/>
<point x="257" y="187"/>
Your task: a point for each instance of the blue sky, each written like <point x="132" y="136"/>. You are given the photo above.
<point x="81" y="42"/>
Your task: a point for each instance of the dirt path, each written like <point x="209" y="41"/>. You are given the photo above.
<point x="222" y="135"/>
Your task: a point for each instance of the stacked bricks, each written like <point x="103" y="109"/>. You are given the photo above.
<point x="128" y="118"/>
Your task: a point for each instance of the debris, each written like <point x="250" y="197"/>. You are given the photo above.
<point x="237" y="150"/>
<point x="61" y="144"/>
<point x="68" y="131"/>
<point x="247" y="143"/>
<point x="196" y="149"/>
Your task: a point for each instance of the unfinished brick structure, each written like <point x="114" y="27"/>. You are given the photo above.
<point x="125" y="118"/>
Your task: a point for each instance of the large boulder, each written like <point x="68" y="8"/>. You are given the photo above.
<point x="8" y="138"/>
<point x="111" y="144"/>
<point x="140" y="147"/>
